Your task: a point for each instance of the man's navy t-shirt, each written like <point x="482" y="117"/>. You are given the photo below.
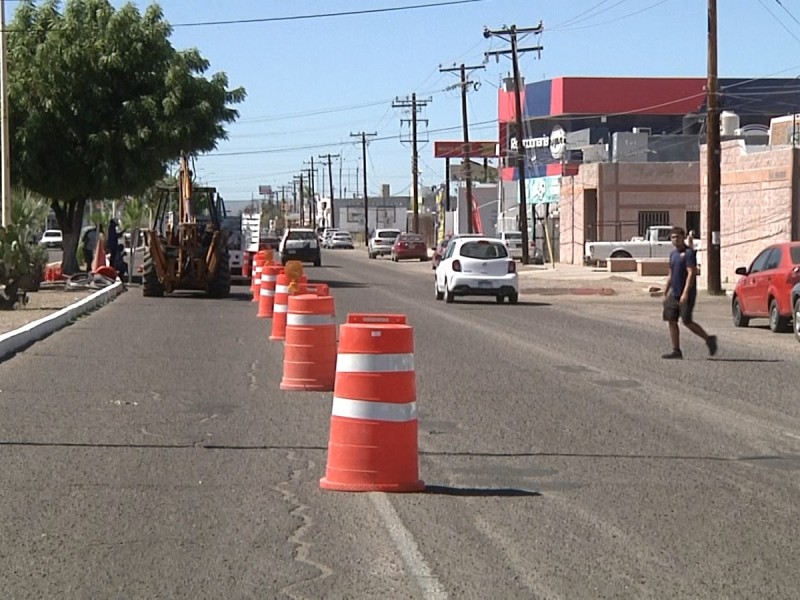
<point x="679" y="261"/>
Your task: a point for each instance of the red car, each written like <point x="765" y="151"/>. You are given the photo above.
<point x="766" y="286"/>
<point x="409" y="245"/>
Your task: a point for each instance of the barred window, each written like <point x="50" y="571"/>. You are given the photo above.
<point x="648" y="218"/>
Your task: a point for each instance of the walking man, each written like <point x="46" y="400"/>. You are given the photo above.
<point x="681" y="293"/>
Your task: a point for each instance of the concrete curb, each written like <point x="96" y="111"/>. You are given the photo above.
<point x="13" y="341"/>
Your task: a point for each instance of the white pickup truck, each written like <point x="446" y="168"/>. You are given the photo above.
<point x="655" y="244"/>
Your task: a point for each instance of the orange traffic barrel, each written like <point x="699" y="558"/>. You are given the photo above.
<point x="269" y="275"/>
<point x="245" y="263"/>
<point x="373" y="432"/>
<point x="280" y="304"/>
<point x="309" y="355"/>
<point x="255" y="281"/>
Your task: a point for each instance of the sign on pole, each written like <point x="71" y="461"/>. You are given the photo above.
<point x="448" y="149"/>
<point x="265" y="190"/>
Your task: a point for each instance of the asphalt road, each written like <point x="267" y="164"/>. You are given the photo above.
<point x="148" y="452"/>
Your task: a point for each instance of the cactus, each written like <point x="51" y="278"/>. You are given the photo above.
<point x="15" y="267"/>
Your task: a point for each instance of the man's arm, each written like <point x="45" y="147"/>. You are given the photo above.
<point x="669" y="281"/>
<point x="691" y="274"/>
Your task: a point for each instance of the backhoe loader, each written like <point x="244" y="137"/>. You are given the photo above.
<point x="186" y="246"/>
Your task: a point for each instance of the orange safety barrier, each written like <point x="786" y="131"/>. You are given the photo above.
<point x="309" y="355"/>
<point x="373" y="433"/>
<point x="53" y="272"/>
<point x="269" y="275"/>
<point x="280" y="305"/>
<point x="255" y="281"/>
<point x="99" y="259"/>
<point x="245" y="263"/>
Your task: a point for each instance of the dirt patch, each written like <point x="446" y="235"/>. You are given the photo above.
<point x="40" y="304"/>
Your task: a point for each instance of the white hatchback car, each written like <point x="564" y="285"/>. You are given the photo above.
<point x="476" y="267"/>
<point x="52" y="238"/>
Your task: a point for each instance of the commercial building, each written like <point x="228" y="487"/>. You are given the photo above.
<point x="607" y="157"/>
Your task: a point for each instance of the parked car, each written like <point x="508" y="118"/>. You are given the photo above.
<point x="765" y="288"/>
<point x="476" y="267"/>
<point x="409" y="245"/>
<point x="381" y="241"/>
<point x="341" y="239"/>
<point x="796" y="313"/>
<point x="271" y="240"/>
<point x="300" y="244"/>
<point x="327" y="234"/>
<point x="52" y="238"/>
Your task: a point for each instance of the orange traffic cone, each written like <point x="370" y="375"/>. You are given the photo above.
<point x="373" y="434"/>
<point x="99" y="259"/>
<point x="309" y="356"/>
<point x="280" y="305"/>
<point x="269" y="275"/>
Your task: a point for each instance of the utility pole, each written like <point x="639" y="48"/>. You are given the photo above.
<point x="712" y="233"/>
<point x="302" y="201"/>
<point x="363" y="135"/>
<point x="414" y="104"/>
<point x="510" y="34"/>
<point x="330" y="183"/>
<point x="4" y="133"/>
<point x="465" y="125"/>
<point x="311" y="172"/>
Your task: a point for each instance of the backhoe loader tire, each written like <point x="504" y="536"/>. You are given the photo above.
<point x="220" y="286"/>
<point x="151" y="286"/>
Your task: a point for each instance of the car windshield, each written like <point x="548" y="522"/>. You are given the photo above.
<point x="513" y="236"/>
<point x="388" y="234"/>
<point x="483" y="250"/>
<point x="794" y="252"/>
<point x="410" y="238"/>
<point x="341" y="235"/>
<point x="301" y="235"/>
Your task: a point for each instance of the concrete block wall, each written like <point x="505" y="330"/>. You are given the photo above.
<point x="756" y="197"/>
<point x="623" y="190"/>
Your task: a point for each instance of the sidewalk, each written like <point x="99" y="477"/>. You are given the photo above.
<point x="577" y="279"/>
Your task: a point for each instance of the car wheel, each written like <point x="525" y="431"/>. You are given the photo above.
<point x="394" y="258"/>
<point x="777" y="323"/>
<point x="797" y="319"/>
<point x="371" y="255"/>
<point x="500" y="299"/>
<point x="739" y="320"/>
<point x="318" y="261"/>
<point x="439" y="295"/>
<point x="513" y="298"/>
<point x="448" y="295"/>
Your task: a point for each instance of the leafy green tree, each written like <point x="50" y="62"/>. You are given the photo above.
<point x="101" y="103"/>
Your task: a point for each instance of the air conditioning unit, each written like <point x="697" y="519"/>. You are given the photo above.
<point x="646" y="130"/>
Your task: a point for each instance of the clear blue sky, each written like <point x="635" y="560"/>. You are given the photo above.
<point x="311" y="82"/>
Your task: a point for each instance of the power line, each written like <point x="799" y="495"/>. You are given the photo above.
<point x="348" y="13"/>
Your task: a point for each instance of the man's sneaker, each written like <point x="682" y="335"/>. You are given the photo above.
<point x="711" y="342"/>
<point x="673" y="354"/>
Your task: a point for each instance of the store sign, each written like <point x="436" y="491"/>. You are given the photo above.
<point x="543" y="190"/>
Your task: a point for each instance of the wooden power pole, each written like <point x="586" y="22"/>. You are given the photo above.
<point x="414" y="104"/>
<point x="712" y="233"/>
<point x="511" y="34"/>
<point x="466" y="159"/>
<point x="363" y="135"/>
<point x="330" y="182"/>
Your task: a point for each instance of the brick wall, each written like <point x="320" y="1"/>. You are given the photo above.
<point x="756" y="197"/>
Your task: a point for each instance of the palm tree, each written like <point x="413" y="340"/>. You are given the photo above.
<point x="29" y="213"/>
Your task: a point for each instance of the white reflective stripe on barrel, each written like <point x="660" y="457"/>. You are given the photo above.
<point x="377" y="411"/>
<point x="268" y="278"/>
<point x="265" y="292"/>
<point x="374" y="363"/>
<point x="281" y="289"/>
<point x="280" y="308"/>
<point x="298" y="319"/>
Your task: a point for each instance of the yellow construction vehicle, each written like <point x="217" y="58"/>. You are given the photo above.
<point x="186" y="245"/>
